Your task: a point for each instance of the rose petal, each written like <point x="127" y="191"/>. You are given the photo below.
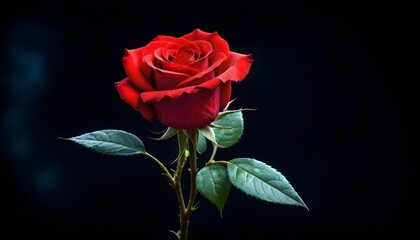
<point x="205" y="48"/>
<point x="131" y="96"/>
<point x="172" y="51"/>
<point x="226" y="89"/>
<point x="219" y="44"/>
<point x="188" y="70"/>
<point x="225" y="93"/>
<point x="164" y="79"/>
<point x="237" y="71"/>
<point x="149" y="61"/>
<point x="210" y="84"/>
<point x="220" y="57"/>
<point x="235" y="68"/>
<point x="189" y="110"/>
<point x="169" y="61"/>
<point x="164" y="38"/>
<point x="155" y="96"/>
<point x="202" y="61"/>
<point x="139" y="72"/>
<point x="132" y="62"/>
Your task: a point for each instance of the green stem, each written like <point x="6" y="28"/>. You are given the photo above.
<point x="185" y="211"/>
<point x="178" y="190"/>
<point x="193" y="173"/>
<point x="213" y="154"/>
<point x="165" y="170"/>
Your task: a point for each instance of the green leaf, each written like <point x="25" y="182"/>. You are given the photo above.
<point x="262" y="181"/>
<point x="213" y="182"/>
<point x="111" y="142"/>
<point x="230" y="130"/>
<point x="201" y="143"/>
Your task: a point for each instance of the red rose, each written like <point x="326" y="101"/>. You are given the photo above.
<point x="183" y="82"/>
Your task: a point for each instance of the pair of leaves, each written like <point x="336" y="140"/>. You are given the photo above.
<point x="214" y="181"/>
<point x="249" y="175"/>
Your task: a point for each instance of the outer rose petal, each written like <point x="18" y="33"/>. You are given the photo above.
<point x="136" y="67"/>
<point x="131" y="95"/>
<point x="156" y="96"/>
<point x="133" y="65"/>
<point x="164" y="38"/>
<point x="189" y="110"/>
<point x="226" y="91"/>
<point x="235" y="67"/>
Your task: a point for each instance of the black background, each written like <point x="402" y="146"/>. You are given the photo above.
<point x="333" y="83"/>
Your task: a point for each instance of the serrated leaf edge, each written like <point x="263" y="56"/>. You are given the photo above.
<point x="301" y="203"/>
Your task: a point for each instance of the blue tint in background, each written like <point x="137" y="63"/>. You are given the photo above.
<point x="332" y="82"/>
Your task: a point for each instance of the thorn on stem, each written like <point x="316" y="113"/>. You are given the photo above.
<point x="177" y="234"/>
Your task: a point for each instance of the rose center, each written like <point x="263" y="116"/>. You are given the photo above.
<point x="184" y="57"/>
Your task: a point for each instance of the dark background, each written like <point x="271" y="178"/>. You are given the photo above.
<point x="333" y="83"/>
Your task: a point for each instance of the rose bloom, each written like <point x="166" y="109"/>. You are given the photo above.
<point x="183" y="82"/>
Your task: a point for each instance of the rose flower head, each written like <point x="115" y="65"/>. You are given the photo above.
<point x="183" y="82"/>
